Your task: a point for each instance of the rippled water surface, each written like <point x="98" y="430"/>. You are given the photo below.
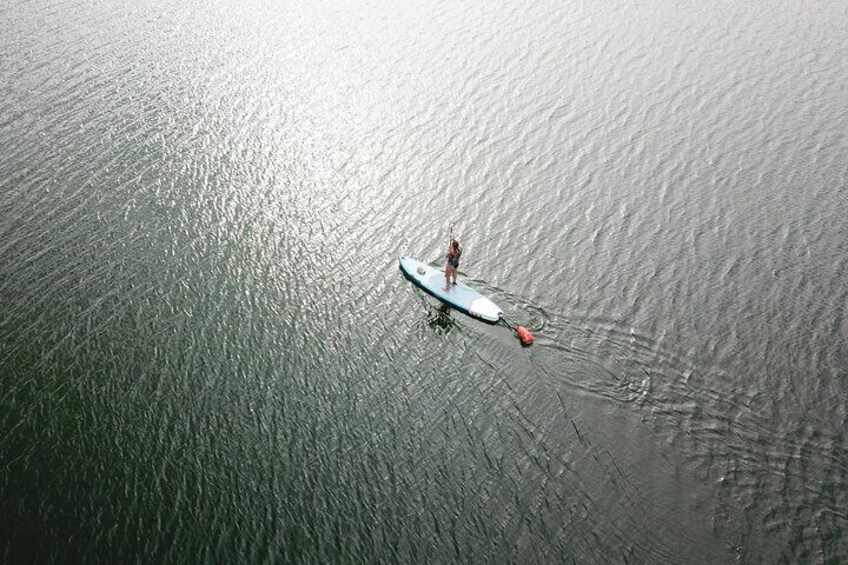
<point x="207" y="351"/>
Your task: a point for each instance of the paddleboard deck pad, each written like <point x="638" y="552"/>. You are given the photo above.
<point x="460" y="296"/>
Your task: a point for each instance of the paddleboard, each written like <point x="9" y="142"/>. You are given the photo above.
<point x="460" y="296"/>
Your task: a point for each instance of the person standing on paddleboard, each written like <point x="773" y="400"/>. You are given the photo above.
<point x="453" y="254"/>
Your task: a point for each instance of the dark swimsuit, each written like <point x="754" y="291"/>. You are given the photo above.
<point x="453" y="258"/>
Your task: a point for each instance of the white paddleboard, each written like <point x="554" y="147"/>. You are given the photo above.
<point x="459" y="296"/>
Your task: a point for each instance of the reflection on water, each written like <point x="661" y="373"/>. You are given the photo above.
<point x="207" y="352"/>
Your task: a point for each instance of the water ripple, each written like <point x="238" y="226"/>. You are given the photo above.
<point x="207" y="351"/>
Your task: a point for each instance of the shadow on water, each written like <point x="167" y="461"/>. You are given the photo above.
<point x="439" y="318"/>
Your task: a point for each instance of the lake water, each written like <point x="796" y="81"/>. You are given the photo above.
<point x="208" y="353"/>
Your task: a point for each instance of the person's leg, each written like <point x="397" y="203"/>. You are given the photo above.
<point x="447" y="278"/>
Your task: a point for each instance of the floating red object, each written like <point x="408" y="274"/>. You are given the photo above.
<point x="524" y="336"/>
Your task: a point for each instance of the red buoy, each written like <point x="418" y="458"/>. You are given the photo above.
<point x="524" y="336"/>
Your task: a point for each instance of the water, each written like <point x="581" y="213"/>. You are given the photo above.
<point x="207" y="351"/>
